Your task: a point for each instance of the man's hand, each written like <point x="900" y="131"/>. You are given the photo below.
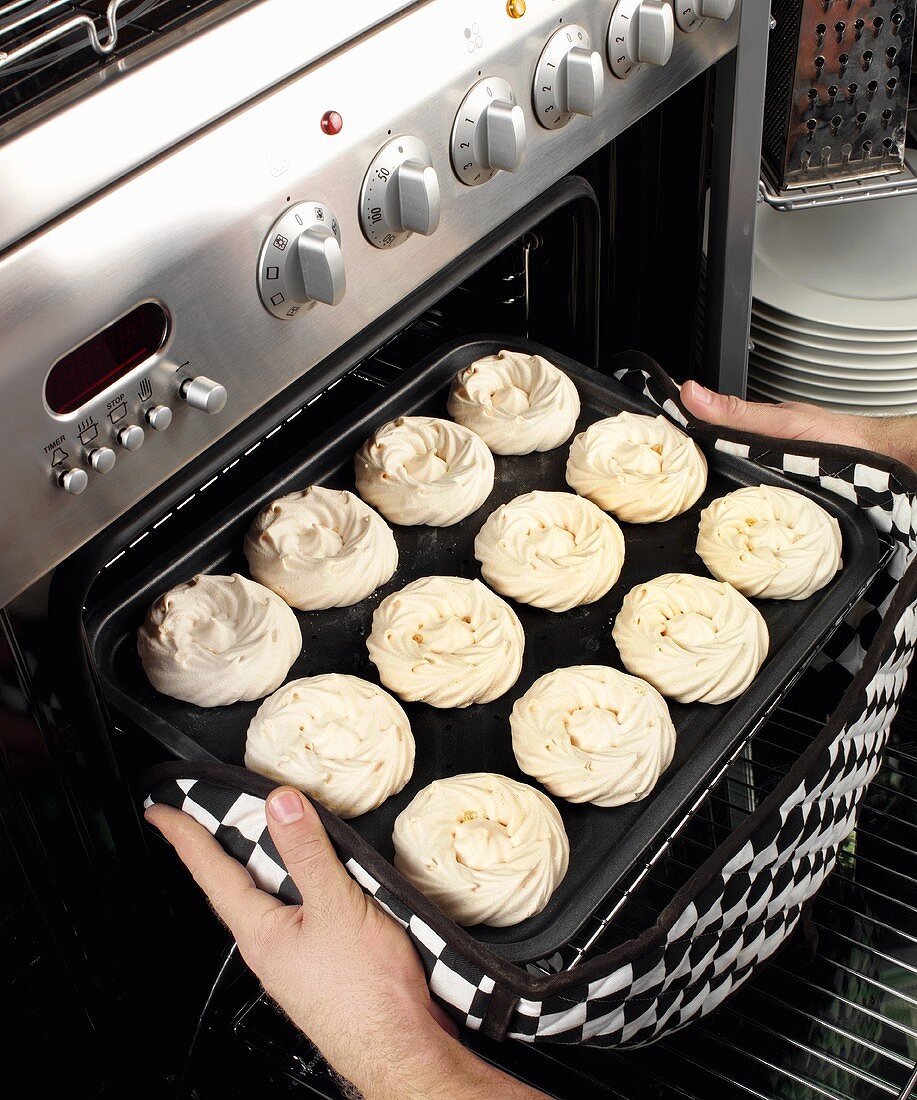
<point x="895" y="436"/>
<point x="342" y="970"/>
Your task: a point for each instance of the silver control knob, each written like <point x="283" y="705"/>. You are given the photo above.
<point x="203" y="394"/>
<point x="131" y="438"/>
<point x="102" y="459"/>
<point x="301" y="261"/>
<point x="400" y="193"/>
<point x="690" y="14"/>
<point x="159" y="417"/>
<point x="488" y="133"/>
<point x="569" y="78"/>
<point x="73" y="481"/>
<point x="640" y="32"/>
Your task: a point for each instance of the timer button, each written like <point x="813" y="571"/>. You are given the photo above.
<point x="102" y="459"/>
<point x="131" y="438"/>
<point x="159" y="417"/>
<point x="73" y="481"/>
<point x="203" y="394"/>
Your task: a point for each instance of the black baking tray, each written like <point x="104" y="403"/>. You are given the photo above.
<point x="604" y="843"/>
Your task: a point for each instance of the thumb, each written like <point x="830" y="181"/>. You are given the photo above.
<point x="785" y="421"/>
<point x="306" y="851"/>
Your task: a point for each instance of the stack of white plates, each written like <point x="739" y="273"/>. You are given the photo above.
<point x="834" y="317"/>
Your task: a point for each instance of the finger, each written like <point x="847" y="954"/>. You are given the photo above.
<point x="238" y="902"/>
<point x="306" y="851"/>
<point x="785" y="421"/>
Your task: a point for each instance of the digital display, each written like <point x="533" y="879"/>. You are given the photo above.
<point x="111" y="353"/>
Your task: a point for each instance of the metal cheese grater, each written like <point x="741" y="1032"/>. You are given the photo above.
<point x="837" y="90"/>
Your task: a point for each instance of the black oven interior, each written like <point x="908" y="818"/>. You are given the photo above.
<point x="98" y="909"/>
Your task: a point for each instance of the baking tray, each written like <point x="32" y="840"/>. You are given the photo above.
<point x="604" y="843"/>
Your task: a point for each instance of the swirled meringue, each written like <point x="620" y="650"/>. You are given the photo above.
<point x="693" y="639"/>
<point x="446" y="641"/>
<point x="642" y="468"/>
<point x="420" y="469"/>
<point x="516" y="403"/>
<point x="484" y="848"/>
<point x="341" y="739"/>
<point x="770" y="542"/>
<point x="551" y="550"/>
<point x="320" y="548"/>
<point x="592" y="734"/>
<point x="218" y="640"/>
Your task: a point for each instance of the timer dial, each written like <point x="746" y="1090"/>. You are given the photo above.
<point x="301" y="261"/>
<point x="488" y="133"/>
<point x="400" y="193"/>
<point x="569" y="78"/>
<point x="690" y="14"/>
<point x="640" y="32"/>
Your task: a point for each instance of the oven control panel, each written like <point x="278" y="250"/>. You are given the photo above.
<point x="153" y="319"/>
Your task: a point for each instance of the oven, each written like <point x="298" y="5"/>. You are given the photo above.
<point x="160" y="353"/>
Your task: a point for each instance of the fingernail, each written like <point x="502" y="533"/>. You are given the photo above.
<point x="701" y="393"/>
<point x="285" y="808"/>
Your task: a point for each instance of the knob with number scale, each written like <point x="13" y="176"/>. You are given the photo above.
<point x="569" y="78"/>
<point x="301" y="261"/>
<point x="690" y="14"/>
<point x="640" y="32"/>
<point x="400" y="193"/>
<point x="488" y="133"/>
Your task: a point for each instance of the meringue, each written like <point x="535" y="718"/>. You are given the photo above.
<point x="551" y="550"/>
<point x="218" y="640"/>
<point x="420" y="469"/>
<point x="341" y="739"/>
<point x="693" y="639"/>
<point x="446" y="641"/>
<point x="642" y="468"/>
<point x="484" y="848"/>
<point x="592" y="734"/>
<point x="769" y="542"/>
<point x="320" y="548"/>
<point x="516" y="403"/>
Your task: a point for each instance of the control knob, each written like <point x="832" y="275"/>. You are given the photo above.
<point x="488" y="133"/>
<point x="690" y="14"/>
<point x="301" y="260"/>
<point x="73" y="481"/>
<point x="131" y="437"/>
<point x="640" y="32"/>
<point x="102" y="459"/>
<point x="159" y="417"/>
<point x="569" y="78"/>
<point x="400" y="193"/>
<point x="203" y="394"/>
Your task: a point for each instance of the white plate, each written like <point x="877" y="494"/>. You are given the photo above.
<point x="854" y="398"/>
<point x="868" y="348"/>
<point x="833" y="332"/>
<point x="847" y="265"/>
<point x="765" y="393"/>
<point x="866" y="363"/>
<point x="843" y="388"/>
<point x="850" y="375"/>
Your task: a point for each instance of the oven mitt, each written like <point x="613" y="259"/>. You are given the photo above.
<point x="746" y="899"/>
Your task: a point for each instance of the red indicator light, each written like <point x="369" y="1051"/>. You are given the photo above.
<point x="332" y="123"/>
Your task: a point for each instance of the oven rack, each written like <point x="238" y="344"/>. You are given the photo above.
<point x="20" y="15"/>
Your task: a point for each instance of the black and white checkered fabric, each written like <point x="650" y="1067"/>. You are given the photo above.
<point x="739" y="907"/>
